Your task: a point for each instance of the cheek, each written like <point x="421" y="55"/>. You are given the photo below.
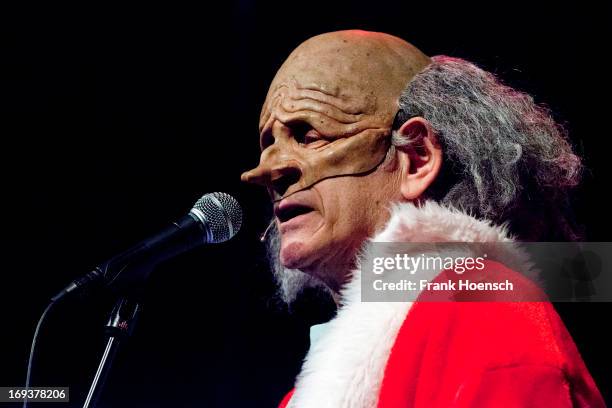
<point x="363" y="204"/>
<point x="345" y="205"/>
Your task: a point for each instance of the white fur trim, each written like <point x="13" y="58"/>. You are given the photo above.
<point x="346" y="366"/>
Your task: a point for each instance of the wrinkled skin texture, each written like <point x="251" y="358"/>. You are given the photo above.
<point x="342" y="88"/>
<point x="324" y="130"/>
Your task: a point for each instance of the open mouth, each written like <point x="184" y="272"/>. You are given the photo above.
<point x="288" y="212"/>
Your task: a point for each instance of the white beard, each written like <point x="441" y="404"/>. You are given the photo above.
<point x="291" y="282"/>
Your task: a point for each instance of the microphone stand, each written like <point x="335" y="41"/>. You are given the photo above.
<point x="120" y="325"/>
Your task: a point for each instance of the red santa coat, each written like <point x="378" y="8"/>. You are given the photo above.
<point x="445" y="354"/>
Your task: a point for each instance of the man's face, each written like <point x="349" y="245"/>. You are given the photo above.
<point x="322" y="227"/>
<point x="324" y="131"/>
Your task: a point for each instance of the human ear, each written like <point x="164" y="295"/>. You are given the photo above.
<point x="420" y="159"/>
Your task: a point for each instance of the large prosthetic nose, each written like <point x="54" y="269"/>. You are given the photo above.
<point x="278" y="170"/>
<point x="277" y="178"/>
<point x="287" y="166"/>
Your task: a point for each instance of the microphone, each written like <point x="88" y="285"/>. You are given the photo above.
<point x="214" y="218"/>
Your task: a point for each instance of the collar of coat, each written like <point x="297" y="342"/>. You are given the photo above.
<point x="346" y="365"/>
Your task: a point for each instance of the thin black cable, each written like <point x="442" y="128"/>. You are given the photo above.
<point x="31" y="359"/>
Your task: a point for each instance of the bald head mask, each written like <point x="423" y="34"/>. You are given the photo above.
<point x="329" y="110"/>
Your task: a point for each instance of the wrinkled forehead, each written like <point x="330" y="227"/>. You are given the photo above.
<point x="343" y="74"/>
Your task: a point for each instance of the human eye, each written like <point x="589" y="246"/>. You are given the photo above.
<point x="308" y="137"/>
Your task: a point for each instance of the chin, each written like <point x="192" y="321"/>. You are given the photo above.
<point x="294" y="255"/>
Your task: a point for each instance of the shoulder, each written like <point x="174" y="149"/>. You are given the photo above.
<point x="492" y="331"/>
<point x="484" y="350"/>
<point x="499" y="328"/>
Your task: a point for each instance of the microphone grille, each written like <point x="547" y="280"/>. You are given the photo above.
<point x="223" y="215"/>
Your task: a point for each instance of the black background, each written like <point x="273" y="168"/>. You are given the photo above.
<point x="115" y="118"/>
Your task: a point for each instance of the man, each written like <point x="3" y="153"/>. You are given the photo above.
<point x="366" y="139"/>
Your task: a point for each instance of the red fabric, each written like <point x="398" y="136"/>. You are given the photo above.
<point x="285" y="400"/>
<point x="485" y="354"/>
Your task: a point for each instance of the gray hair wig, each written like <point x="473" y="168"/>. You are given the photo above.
<point x="505" y="158"/>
